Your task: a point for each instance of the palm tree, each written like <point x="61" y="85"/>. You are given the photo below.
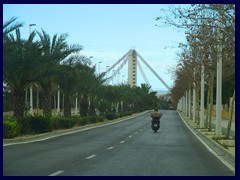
<point x="85" y="85"/>
<point x="68" y="79"/>
<point x="54" y="51"/>
<point x="95" y="91"/>
<point x="20" y="62"/>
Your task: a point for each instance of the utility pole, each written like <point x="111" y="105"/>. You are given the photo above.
<point x="219" y="79"/>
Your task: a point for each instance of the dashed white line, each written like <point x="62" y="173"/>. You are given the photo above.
<point x="122" y="142"/>
<point x="110" y="148"/>
<point x="135" y="132"/>
<point x="90" y="157"/>
<point x="130" y="136"/>
<point x="56" y="173"/>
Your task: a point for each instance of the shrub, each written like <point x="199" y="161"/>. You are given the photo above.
<point x="100" y="119"/>
<point x="62" y="122"/>
<point x="83" y="121"/>
<point x="110" y="115"/>
<point x="25" y="125"/>
<point x="11" y="128"/>
<point x="75" y="120"/>
<point x="92" y="119"/>
<point x="40" y="124"/>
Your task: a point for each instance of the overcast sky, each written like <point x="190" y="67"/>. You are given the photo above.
<point x="107" y="32"/>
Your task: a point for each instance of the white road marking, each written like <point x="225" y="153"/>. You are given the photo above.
<point x="122" y="142"/>
<point x="90" y="157"/>
<point x="135" y="132"/>
<point x="130" y="136"/>
<point x="56" y="173"/>
<point x="110" y="148"/>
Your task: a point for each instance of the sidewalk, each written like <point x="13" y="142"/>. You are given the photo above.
<point x="225" y="149"/>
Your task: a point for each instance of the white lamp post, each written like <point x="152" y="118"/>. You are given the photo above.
<point x="31" y="88"/>
<point x="99" y="67"/>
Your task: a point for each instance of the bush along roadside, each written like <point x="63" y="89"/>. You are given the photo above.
<point x="40" y="124"/>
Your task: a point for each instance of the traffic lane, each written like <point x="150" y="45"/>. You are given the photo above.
<point x="173" y="151"/>
<point x="44" y="157"/>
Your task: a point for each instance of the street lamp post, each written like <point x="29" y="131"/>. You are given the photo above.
<point x="123" y="78"/>
<point x="31" y="88"/>
<point x="107" y="68"/>
<point x="99" y="66"/>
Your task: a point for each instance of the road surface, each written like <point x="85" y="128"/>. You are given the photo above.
<point x="129" y="148"/>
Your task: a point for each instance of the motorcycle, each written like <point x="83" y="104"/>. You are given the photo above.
<point x="155" y="124"/>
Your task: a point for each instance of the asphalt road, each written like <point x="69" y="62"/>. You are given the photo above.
<point x="129" y="148"/>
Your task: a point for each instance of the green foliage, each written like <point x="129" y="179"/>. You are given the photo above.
<point x="92" y="119"/>
<point x="128" y="113"/>
<point x="83" y="121"/>
<point x="165" y="105"/>
<point x="63" y="122"/>
<point x="40" y="124"/>
<point x="11" y="128"/>
<point x="100" y="118"/>
<point x="110" y="115"/>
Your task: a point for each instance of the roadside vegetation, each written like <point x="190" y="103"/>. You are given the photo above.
<point x="49" y="65"/>
<point x="210" y="35"/>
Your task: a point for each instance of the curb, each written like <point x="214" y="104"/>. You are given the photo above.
<point x="221" y="153"/>
<point x="53" y="134"/>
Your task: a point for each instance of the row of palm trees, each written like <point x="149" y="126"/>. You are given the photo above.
<point x="48" y="62"/>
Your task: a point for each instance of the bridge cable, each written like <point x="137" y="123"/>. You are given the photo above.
<point x="143" y="74"/>
<point x="118" y="69"/>
<point x="121" y="59"/>
<point x="164" y="83"/>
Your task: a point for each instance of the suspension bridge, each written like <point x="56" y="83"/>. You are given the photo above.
<point x="134" y="60"/>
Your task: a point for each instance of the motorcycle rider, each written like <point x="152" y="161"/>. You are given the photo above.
<point x="156" y="115"/>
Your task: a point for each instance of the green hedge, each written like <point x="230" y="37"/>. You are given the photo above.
<point x="62" y="123"/>
<point x="83" y="121"/>
<point x="92" y="119"/>
<point x="40" y="124"/>
<point x="11" y="128"/>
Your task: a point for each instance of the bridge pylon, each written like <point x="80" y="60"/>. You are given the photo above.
<point x="132" y="68"/>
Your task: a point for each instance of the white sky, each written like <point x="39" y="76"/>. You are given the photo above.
<point x="107" y="32"/>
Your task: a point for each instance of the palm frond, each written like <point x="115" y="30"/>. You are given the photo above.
<point x="9" y="27"/>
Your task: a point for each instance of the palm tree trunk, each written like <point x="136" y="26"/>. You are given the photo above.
<point x="84" y="106"/>
<point x="19" y="103"/>
<point x="67" y="106"/>
<point x="47" y="100"/>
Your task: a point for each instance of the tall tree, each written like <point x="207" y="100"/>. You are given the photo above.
<point x="20" y="62"/>
<point x="54" y="51"/>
